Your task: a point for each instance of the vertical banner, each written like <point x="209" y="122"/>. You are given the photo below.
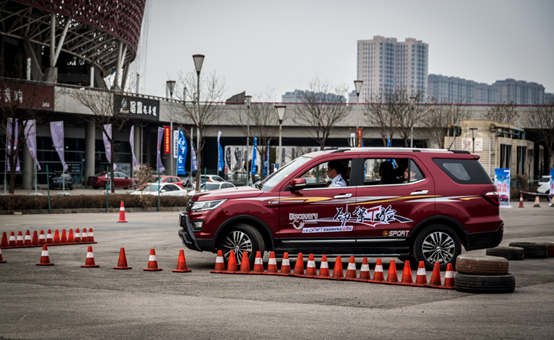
<point x="360" y="137"/>
<point x="167" y="140"/>
<point x="551" y="183"/>
<point x="159" y="165"/>
<point x="266" y="161"/>
<point x="220" y="161"/>
<point x="502" y="182"/>
<point x="253" y="169"/>
<point x="132" y="142"/>
<point x="12" y="132"/>
<point x="107" y="138"/>
<point x="176" y="144"/>
<point x="31" y="140"/>
<point x="193" y="165"/>
<point x="56" y="130"/>
<point x="181" y="153"/>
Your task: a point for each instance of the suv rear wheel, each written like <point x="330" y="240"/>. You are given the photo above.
<point x="437" y="243"/>
<point x="242" y="237"/>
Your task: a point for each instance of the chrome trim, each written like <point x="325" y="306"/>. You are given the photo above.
<point x="380" y="240"/>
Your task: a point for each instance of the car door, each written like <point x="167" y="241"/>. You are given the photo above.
<point x="393" y="198"/>
<point x="315" y="218"/>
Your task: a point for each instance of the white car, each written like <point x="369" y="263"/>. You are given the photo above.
<point x="544" y="185"/>
<point x="209" y="186"/>
<point x="164" y="189"/>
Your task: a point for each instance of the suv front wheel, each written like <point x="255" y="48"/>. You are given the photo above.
<point x="437" y="243"/>
<point x="241" y="237"/>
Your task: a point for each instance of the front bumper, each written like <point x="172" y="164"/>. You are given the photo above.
<point x="187" y="236"/>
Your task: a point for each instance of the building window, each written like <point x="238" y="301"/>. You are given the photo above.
<point x="521" y="154"/>
<point x="505" y="155"/>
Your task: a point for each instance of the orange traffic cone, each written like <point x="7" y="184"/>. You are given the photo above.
<point x="89" y="261"/>
<point x="232" y="262"/>
<point x="181" y="263"/>
<point x="337" y="270"/>
<point x="272" y="263"/>
<point x="122" y="213"/>
<point x="84" y="235"/>
<point x="4" y="242"/>
<point x="57" y="238"/>
<point x="299" y="265"/>
<point x="436" y="275"/>
<point x="152" y="262"/>
<point x="77" y="235"/>
<point x="244" y="262"/>
<point x="324" y="267"/>
<point x="364" y="270"/>
<point x="537" y="203"/>
<point x="520" y="200"/>
<point x="63" y="238"/>
<point x="44" y="258"/>
<point x="285" y="264"/>
<point x="1" y="258"/>
<point x="49" y="237"/>
<point x="41" y="237"/>
<point x="11" y="241"/>
<point x="378" y="272"/>
<point x="19" y="239"/>
<point x="392" y="275"/>
<point x="219" y="262"/>
<point x="407" y="273"/>
<point x="71" y="236"/>
<point x="351" y="269"/>
<point x="310" y="266"/>
<point x="258" y="263"/>
<point x="34" y="241"/>
<point x="28" y="241"/>
<point x="421" y="275"/>
<point x="122" y="262"/>
<point x="91" y="235"/>
<point x="449" y="276"/>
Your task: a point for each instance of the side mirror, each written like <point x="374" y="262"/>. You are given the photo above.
<point x="298" y="184"/>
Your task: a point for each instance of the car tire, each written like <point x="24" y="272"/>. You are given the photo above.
<point x="432" y="236"/>
<point x="472" y="283"/>
<point x="509" y="253"/>
<point x="482" y="265"/>
<point x="532" y="250"/>
<point x="241" y="237"/>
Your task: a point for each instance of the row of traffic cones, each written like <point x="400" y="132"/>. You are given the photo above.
<point x="338" y="273"/>
<point x="39" y="238"/>
<point x="121" y="263"/>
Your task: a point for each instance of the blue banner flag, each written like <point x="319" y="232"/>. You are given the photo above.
<point x="253" y="169"/>
<point x="265" y="171"/>
<point x="193" y="165"/>
<point x="181" y="154"/>
<point x="220" y="161"/>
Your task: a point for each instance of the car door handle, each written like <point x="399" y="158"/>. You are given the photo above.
<point x="343" y="196"/>
<point x="420" y="192"/>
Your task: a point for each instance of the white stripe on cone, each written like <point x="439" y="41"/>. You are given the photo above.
<point x="311" y="264"/>
<point x="41" y="237"/>
<point x="449" y="275"/>
<point x="20" y="237"/>
<point x="44" y="253"/>
<point x="324" y="265"/>
<point x="90" y="255"/>
<point x="48" y="236"/>
<point x="151" y="258"/>
<point x="272" y="261"/>
<point x="27" y="237"/>
<point x="351" y="266"/>
<point x="421" y="271"/>
<point x="365" y="268"/>
<point x="258" y="260"/>
<point x="121" y="208"/>
<point x="379" y="268"/>
<point x="12" y="238"/>
<point x="286" y="262"/>
<point x="219" y="259"/>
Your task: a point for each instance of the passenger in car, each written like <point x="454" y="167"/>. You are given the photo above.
<point x="335" y="171"/>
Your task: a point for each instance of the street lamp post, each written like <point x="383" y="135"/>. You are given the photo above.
<point x="358" y="86"/>
<point x="473" y="129"/>
<point x="412" y="106"/>
<point x="170" y="87"/>
<point x="281" y="114"/>
<point x="198" y="61"/>
<point x="247" y="103"/>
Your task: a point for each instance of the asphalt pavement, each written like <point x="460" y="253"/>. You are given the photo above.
<point x="66" y="302"/>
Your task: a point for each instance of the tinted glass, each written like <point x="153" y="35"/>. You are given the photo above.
<point x="464" y="171"/>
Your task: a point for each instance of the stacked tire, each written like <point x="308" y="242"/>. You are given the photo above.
<point x="483" y="274"/>
<point x="535" y="250"/>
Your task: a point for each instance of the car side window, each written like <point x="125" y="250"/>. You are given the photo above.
<point x="379" y="171"/>
<point x="318" y="176"/>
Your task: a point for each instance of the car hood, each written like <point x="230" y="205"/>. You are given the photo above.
<point x="237" y="192"/>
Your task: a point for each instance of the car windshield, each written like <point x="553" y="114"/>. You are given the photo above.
<point x="270" y="182"/>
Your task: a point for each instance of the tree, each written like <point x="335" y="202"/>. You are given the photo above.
<point x="438" y="118"/>
<point x="377" y="114"/>
<point x="503" y="113"/>
<point x="321" y="110"/>
<point x="406" y="112"/>
<point x="201" y="113"/>
<point x="542" y="119"/>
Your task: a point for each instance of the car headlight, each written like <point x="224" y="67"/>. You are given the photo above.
<point x="206" y="205"/>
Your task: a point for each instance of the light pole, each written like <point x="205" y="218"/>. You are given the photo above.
<point x="169" y="87"/>
<point x="358" y="86"/>
<point x="247" y="102"/>
<point x="281" y="114"/>
<point x="412" y="107"/>
<point x="198" y="61"/>
<point x="473" y="129"/>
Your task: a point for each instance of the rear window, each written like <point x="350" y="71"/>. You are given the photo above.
<point x="464" y="171"/>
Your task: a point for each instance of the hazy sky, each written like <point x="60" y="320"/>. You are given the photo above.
<point x="270" y="47"/>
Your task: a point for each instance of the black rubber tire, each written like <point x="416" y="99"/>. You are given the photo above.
<point x="482" y="265"/>
<point x="549" y="246"/>
<point x="252" y="233"/>
<point x="420" y="237"/>
<point x="509" y="253"/>
<point x="532" y="250"/>
<point x="485" y="283"/>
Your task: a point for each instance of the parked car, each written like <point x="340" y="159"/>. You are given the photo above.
<point x="211" y="178"/>
<point x="60" y="181"/>
<point x="121" y="180"/>
<point x="544" y="185"/>
<point x="167" y="179"/>
<point x="445" y="202"/>
<point x="209" y="186"/>
<point x="238" y="178"/>
<point x="164" y="189"/>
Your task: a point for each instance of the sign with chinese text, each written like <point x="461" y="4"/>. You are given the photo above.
<point x="137" y="107"/>
<point x="26" y="95"/>
<point x="502" y="182"/>
<point x="167" y="140"/>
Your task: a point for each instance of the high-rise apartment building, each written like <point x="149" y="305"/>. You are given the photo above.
<point x="386" y="65"/>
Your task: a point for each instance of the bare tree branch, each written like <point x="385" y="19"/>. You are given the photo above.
<point x="503" y="113"/>
<point x="438" y="118"/>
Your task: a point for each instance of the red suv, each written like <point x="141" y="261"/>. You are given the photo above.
<point x="422" y="204"/>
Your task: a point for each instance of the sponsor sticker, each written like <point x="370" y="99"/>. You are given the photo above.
<point x="333" y="229"/>
<point x="299" y="220"/>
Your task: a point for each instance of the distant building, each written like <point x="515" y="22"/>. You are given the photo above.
<point x="444" y="89"/>
<point x="385" y="65"/>
<point x="298" y="96"/>
<point x="549" y="98"/>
